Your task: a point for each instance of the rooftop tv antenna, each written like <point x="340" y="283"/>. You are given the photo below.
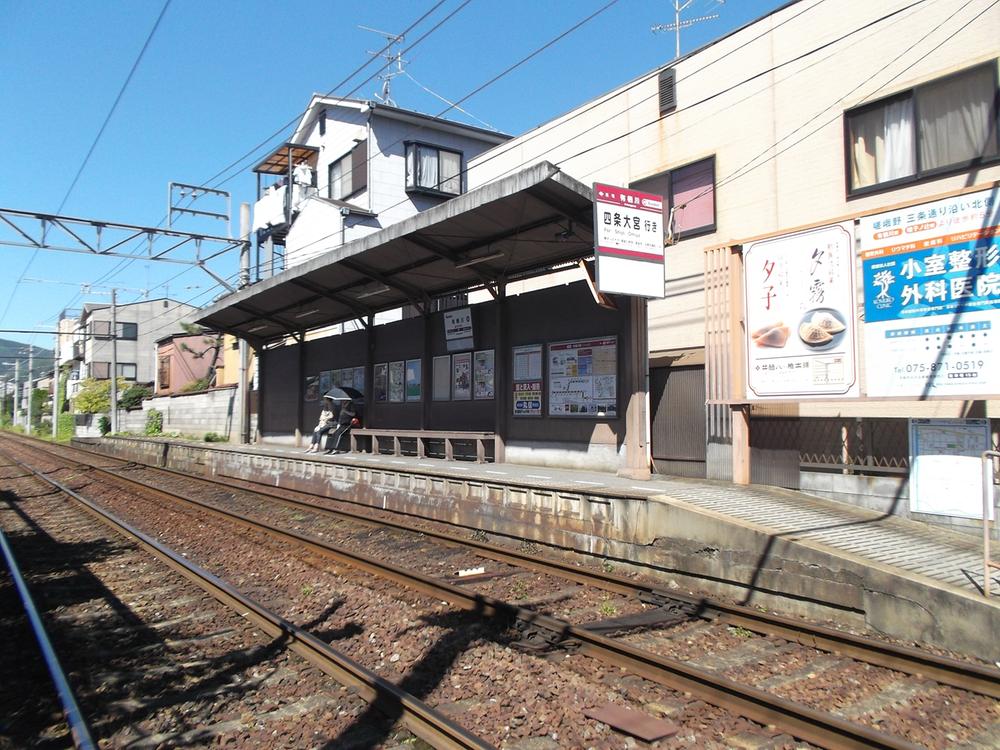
<point x="678" y="24"/>
<point x="392" y="55"/>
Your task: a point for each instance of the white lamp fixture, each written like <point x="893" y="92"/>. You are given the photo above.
<point x="482" y="259"/>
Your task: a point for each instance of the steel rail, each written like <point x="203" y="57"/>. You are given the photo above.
<point x="425" y="722"/>
<point x="806" y="723"/>
<point x="71" y="709"/>
<point x="975" y="678"/>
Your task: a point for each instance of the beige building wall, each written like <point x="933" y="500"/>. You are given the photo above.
<point x="767" y="102"/>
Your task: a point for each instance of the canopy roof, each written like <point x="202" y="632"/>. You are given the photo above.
<point x="516" y="226"/>
<point x="277" y="162"/>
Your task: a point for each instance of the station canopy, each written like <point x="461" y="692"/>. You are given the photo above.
<point x="517" y="226"/>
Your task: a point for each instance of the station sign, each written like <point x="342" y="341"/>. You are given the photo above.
<point x="628" y="241"/>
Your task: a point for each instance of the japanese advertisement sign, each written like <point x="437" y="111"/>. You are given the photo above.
<point x="946" y="468"/>
<point x="483" y="374"/>
<point x="932" y="294"/>
<point x="583" y="378"/>
<point x="458" y="329"/>
<point x="628" y="241"/>
<point x="799" y="298"/>
<point x="527" y="380"/>
<point x="414" y="380"/>
<point x="397" y="382"/>
<point x="461" y="376"/>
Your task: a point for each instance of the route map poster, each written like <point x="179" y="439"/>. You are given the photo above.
<point x="583" y="378"/>
<point x="799" y="298"/>
<point x="527" y="380"/>
<point x="946" y="468"/>
<point x="932" y="294"/>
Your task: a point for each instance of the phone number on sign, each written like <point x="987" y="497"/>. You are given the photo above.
<point x="958" y="366"/>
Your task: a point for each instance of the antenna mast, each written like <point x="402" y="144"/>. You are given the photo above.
<point x="678" y="24"/>
<point x="393" y="55"/>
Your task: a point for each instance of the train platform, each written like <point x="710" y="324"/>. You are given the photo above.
<point x="763" y="546"/>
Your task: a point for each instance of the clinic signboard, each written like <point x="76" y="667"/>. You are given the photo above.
<point x="931" y="275"/>
<point x="799" y="297"/>
<point x="628" y="241"/>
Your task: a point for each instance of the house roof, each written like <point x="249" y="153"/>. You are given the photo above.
<point x="534" y="219"/>
<point x="277" y="161"/>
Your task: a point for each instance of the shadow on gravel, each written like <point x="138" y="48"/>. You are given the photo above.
<point x="462" y="629"/>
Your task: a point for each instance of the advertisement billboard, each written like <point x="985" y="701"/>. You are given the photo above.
<point x="799" y="298"/>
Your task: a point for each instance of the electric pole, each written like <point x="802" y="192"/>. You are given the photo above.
<point x="114" y="364"/>
<point x="31" y="366"/>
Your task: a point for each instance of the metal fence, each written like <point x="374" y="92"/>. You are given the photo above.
<point x="852" y="445"/>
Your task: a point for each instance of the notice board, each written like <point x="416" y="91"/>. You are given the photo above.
<point x="946" y="468"/>
<point x="583" y="378"/>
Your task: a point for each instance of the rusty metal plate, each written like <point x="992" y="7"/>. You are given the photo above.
<point x="635" y="723"/>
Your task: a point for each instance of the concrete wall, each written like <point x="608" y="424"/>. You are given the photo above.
<point x="188" y="413"/>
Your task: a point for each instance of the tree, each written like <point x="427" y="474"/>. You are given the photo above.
<point x="134" y="395"/>
<point x="95" y="396"/>
<point x="211" y="345"/>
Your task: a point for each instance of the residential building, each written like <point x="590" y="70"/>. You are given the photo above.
<point x="186" y="358"/>
<point x="355" y="167"/>
<point x="139" y="325"/>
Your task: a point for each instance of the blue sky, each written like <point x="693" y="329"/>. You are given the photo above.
<point x="219" y="77"/>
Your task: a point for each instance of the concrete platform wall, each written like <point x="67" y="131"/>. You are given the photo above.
<point x="679" y="543"/>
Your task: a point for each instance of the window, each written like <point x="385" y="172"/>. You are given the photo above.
<point x="349" y="174"/>
<point x="163" y="372"/>
<point x="129" y="331"/>
<point x="127" y="370"/>
<point x="948" y="124"/>
<point x="100" y="329"/>
<point x="434" y="170"/>
<point x="688" y="197"/>
<point x="100" y="370"/>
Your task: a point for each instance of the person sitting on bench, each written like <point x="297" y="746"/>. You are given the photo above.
<point x="326" y="423"/>
<point x="345" y="418"/>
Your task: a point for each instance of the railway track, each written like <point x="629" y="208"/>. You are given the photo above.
<point x="124" y="658"/>
<point x="659" y="611"/>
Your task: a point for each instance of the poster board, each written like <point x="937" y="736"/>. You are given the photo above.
<point x="325" y="381"/>
<point x="380" y="374"/>
<point x="799" y="301"/>
<point x="583" y="378"/>
<point x="461" y="376"/>
<point x="312" y="388"/>
<point x="483" y="374"/>
<point x="414" y="382"/>
<point x="441" y="378"/>
<point x="946" y="468"/>
<point x="397" y="387"/>
<point x="931" y="277"/>
<point x="527" y="380"/>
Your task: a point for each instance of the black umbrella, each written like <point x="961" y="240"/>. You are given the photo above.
<point x="345" y="393"/>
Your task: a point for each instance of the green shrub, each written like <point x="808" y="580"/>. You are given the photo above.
<point x="133" y="396"/>
<point x="104" y="425"/>
<point x="201" y="384"/>
<point x="213" y="437"/>
<point x="65" y="428"/>
<point x="154" y="422"/>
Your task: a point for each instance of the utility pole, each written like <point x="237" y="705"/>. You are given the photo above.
<point x="31" y="366"/>
<point x="678" y="24"/>
<point x="17" y="391"/>
<point x="55" y="387"/>
<point x="114" y="364"/>
<point x="244" y="381"/>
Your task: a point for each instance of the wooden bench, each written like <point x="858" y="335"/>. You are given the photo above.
<point x="383" y="438"/>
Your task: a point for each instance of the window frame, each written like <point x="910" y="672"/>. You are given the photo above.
<point x="100" y="330"/>
<point x="106" y="367"/>
<point x="345" y="162"/>
<point x="913" y="94"/>
<point x="123" y="365"/>
<point x="123" y="336"/>
<point x="417" y="187"/>
<point x="668" y="198"/>
<point x="163" y="372"/>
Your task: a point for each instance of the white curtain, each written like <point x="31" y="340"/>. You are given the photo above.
<point x="882" y="144"/>
<point x="451" y="172"/>
<point x="428" y="168"/>
<point x="955" y="120"/>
